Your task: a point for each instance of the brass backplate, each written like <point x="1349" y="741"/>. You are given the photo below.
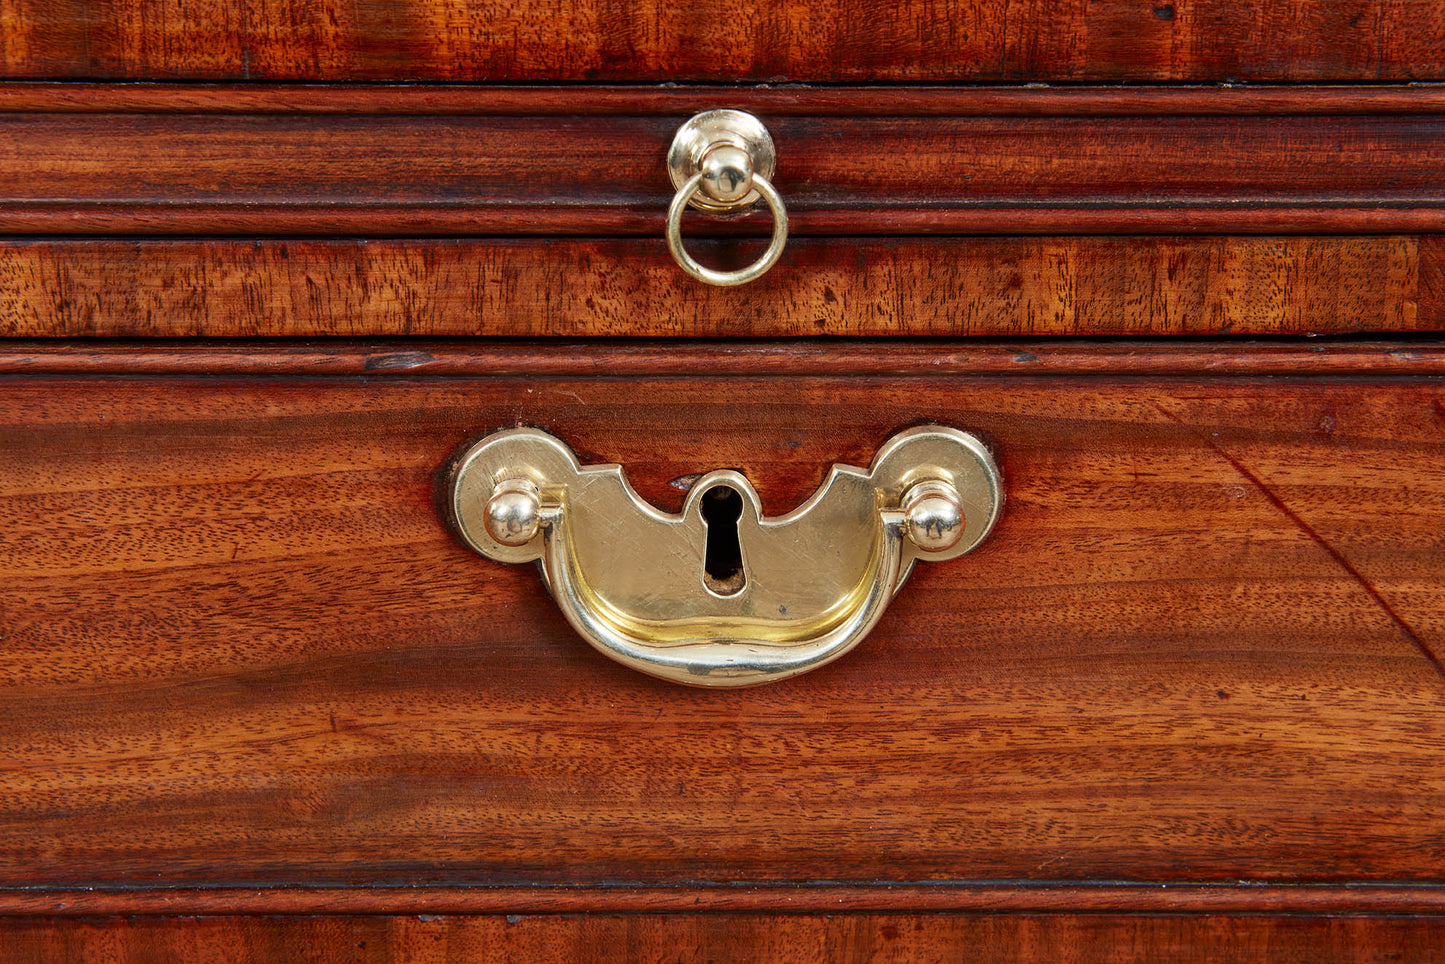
<point x="640" y="585"/>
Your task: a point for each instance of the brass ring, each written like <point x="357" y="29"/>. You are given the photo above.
<point x="742" y="276"/>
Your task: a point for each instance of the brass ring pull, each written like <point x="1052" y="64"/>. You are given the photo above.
<point x="726" y="279"/>
<point x="719" y="595"/>
<point x="722" y="162"/>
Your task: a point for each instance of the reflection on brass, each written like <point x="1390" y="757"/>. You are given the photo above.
<point x="719" y="595"/>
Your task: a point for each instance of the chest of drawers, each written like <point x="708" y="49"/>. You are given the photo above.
<point x="265" y="271"/>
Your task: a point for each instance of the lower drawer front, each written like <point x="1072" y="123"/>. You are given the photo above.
<point x="241" y="647"/>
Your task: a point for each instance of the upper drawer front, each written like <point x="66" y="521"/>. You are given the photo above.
<point x="527" y="211"/>
<point x="1202" y="643"/>
<point x="792" y="40"/>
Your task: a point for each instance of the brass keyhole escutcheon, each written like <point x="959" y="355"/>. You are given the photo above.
<point x="719" y="594"/>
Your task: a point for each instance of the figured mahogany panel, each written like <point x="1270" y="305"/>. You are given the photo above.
<point x="766" y="938"/>
<point x="631" y="287"/>
<point x="784" y="40"/>
<point x="1203" y="644"/>
<point x="991" y="167"/>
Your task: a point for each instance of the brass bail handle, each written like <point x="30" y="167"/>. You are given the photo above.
<point x="722" y="162"/>
<point x="720" y="594"/>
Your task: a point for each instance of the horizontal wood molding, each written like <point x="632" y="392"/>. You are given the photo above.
<point x="1203" y="645"/>
<point x="991" y="897"/>
<point x="910" y="41"/>
<point x="738" y="359"/>
<point x="398" y="164"/>
<point x="768" y="938"/>
<point x="534" y="288"/>
<point x="781" y="100"/>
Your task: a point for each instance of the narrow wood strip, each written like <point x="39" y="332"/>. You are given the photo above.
<point x="389" y="175"/>
<point x="785" y="100"/>
<point x="629" y="287"/>
<point x="768" y="938"/>
<point x="1176" y="897"/>
<point x="633" y="359"/>
<point x="862" y="219"/>
<point x="912" y="41"/>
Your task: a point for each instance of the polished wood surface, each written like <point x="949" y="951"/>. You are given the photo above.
<point x="774" y="939"/>
<point x="990" y="169"/>
<point x="1203" y="644"/>
<point x="793" y="40"/>
<point x="630" y="287"/>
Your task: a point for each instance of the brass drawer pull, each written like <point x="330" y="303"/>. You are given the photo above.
<point x="719" y="595"/>
<point x="721" y="162"/>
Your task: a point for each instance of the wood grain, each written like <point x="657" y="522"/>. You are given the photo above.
<point x="380" y="175"/>
<point x="630" y="287"/>
<point x="240" y="647"/>
<point x="792" y="40"/>
<point x="728" y="937"/>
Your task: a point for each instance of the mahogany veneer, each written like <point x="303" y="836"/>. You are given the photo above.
<point x="575" y="287"/>
<point x="911" y="41"/>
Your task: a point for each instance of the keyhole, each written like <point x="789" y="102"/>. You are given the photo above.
<point x="723" y="561"/>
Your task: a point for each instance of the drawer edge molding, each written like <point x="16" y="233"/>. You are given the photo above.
<point x="1172" y="897"/>
<point x="648" y="359"/>
<point x="783" y="100"/>
<point x="522" y="162"/>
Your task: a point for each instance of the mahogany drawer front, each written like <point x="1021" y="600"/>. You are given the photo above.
<point x="294" y="211"/>
<point x="242" y="647"/>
